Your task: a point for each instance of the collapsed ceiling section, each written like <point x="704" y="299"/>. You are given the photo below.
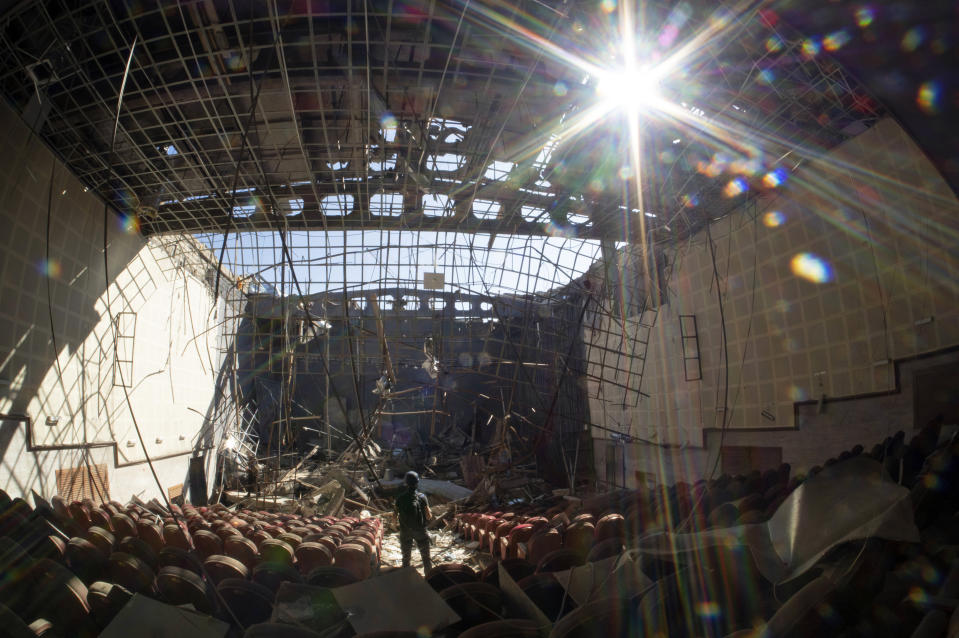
<point x="460" y="117"/>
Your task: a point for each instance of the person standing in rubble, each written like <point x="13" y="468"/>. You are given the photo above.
<point x="252" y="475"/>
<point x="412" y="513"/>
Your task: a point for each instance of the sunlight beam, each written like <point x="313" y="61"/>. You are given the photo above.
<point x="630" y="87"/>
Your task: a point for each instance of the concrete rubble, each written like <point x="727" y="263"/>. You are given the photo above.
<point x="844" y="550"/>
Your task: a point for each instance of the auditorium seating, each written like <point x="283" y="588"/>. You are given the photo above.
<point x="221" y="562"/>
<point x="231" y="564"/>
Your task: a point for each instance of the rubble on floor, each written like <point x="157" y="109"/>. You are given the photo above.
<point x="865" y="546"/>
<point x="366" y="478"/>
<point x="445" y="547"/>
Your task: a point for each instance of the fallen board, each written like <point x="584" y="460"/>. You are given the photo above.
<point x="449" y="491"/>
<point x="144" y="616"/>
<point x="399" y="600"/>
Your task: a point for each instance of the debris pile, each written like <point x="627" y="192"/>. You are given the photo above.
<point x="364" y="478"/>
<point x="864" y="546"/>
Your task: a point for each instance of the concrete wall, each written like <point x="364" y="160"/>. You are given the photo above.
<point x="176" y="348"/>
<point x="878" y="231"/>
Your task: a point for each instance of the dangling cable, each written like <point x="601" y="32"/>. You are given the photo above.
<point x="113" y="327"/>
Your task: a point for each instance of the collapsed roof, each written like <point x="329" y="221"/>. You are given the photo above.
<point x="471" y="117"/>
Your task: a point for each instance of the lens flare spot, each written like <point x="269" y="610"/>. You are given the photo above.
<point x="918" y="595"/>
<point x="811" y="268"/>
<point x="811" y="48"/>
<point x="736" y="187"/>
<point x="864" y="16"/>
<point x="774" y="44"/>
<point x="235" y="63"/>
<point x="709" y="169"/>
<point x="766" y="76"/>
<point x="125" y="199"/>
<point x="625" y="172"/>
<point x="424" y="632"/>
<point x="560" y="89"/>
<point x="668" y="35"/>
<point x="769" y="17"/>
<point x="835" y="40"/>
<point x="555" y="230"/>
<point x="930" y="574"/>
<point x="912" y="39"/>
<point x="796" y="393"/>
<point x="708" y="609"/>
<point x="774" y="219"/>
<point x="715" y="167"/>
<point x="775" y="178"/>
<point x="608" y="6"/>
<point x="783" y="306"/>
<point x="720" y="19"/>
<point x="388" y="126"/>
<point x="690" y="201"/>
<point x="929" y="97"/>
<point x="596" y="184"/>
<point x="828" y="612"/>
<point x="931" y="481"/>
<point x="51" y="268"/>
<point x="745" y="166"/>
<point x="130" y="224"/>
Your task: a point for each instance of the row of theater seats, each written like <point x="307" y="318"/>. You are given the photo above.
<point x="55" y="587"/>
<point x="229" y="564"/>
<point x="556" y="539"/>
<point x="886" y="588"/>
<point x="552" y="541"/>
<point x="74" y="587"/>
<point x="723" y="502"/>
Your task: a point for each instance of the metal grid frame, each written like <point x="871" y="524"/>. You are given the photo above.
<point x="275" y="134"/>
<point x="280" y="105"/>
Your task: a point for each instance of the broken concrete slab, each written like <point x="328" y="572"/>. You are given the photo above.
<point x="144" y="616"/>
<point x="309" y="607"/>
<point x="398" y="600"/>
<point x="595" y="580"/>
<point x="519" y="603"/>
<point x="445" y="489"/>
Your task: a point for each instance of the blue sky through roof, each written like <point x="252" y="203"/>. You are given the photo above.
<point x="366" y="259"/>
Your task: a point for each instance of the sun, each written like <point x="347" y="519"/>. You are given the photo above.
<point x="631" y="87"/>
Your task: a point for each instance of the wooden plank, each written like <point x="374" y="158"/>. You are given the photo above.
<point x="174" y="491"/>
<point x="292" y="472"/>
<point x="86" y="481"/>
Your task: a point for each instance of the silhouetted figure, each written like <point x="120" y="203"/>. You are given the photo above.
<point x="412" y="513"/>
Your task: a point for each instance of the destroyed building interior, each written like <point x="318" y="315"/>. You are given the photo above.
<point x="658" y="299"/>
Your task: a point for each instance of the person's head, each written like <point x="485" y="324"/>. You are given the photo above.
<point x="412" y="479"/>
